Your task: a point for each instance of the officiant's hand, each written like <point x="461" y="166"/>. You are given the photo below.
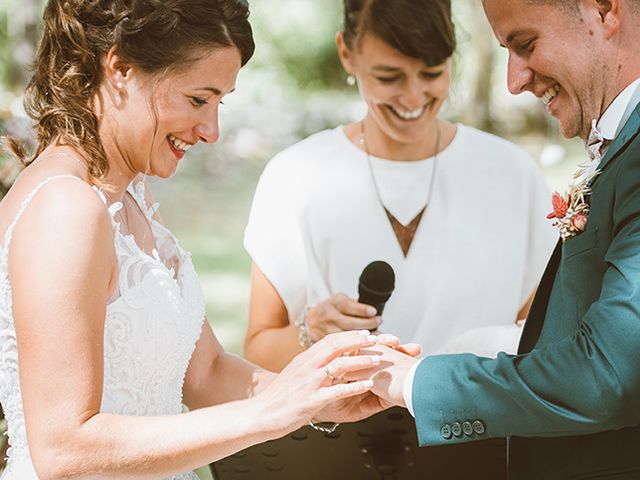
<point x="340" y="313"/>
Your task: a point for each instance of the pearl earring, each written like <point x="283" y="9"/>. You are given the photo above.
<point x="351" y="80"/>
<point x="119" y="85"/>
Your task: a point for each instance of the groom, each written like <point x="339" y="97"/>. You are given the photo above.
<point x="570" y="400"/>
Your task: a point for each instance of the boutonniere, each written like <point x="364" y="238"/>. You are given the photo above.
<point x="571" y="210"/>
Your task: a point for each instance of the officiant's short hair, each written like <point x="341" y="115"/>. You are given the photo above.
<point x="420" y="29"/>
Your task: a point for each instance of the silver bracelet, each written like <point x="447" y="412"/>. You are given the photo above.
<point x="304" y="337"/>
<point x="329" y="429"/>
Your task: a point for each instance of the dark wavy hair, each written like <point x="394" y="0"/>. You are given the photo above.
<point x="153" y="35"/>
<point x="420" y="29"/>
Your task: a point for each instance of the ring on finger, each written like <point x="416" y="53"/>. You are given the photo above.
<point x="328" y="373"/>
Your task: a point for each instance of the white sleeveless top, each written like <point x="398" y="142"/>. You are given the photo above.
<point x="152" y="324"/>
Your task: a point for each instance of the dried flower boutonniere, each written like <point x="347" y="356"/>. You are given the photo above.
<point x="571" y="210"/>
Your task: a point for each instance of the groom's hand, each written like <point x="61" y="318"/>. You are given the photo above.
<point x="389" y="377"/>
<point x="411" y="349"/>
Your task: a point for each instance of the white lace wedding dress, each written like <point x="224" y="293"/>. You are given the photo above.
<point x="151" y="327"/>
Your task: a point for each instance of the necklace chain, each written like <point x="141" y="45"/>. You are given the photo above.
<point x="363" y="142"/>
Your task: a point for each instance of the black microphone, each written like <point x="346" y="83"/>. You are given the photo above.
<point x="376" y="285"/>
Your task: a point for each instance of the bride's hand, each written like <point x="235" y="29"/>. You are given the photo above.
<point x="352" y="409"/>
<point x="311" y="381"/>
<point x="359" y="407"/>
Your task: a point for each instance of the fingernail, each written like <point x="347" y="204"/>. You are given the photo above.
<point x="376" y="360"/>
<point x="364" y="333"/>
<point x="371" y="311"/>
<point x="372" y="338"/>
<point x="379" y="321"/>
<point x="368" y="383"/>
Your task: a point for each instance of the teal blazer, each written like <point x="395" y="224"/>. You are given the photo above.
<point x="570" y="399"/>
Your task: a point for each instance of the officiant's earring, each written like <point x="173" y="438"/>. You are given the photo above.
<point x="351" y="80"/>
<point x="119" y="85"/>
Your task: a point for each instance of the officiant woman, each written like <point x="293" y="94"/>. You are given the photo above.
<point x="458" y="213"/>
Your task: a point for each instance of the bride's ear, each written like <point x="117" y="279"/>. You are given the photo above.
<point x="117" y="72"/>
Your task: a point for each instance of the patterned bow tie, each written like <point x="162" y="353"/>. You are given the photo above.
<point x="596" y="144"/>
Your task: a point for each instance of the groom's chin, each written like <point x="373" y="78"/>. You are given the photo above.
<point x="569" y="128"/>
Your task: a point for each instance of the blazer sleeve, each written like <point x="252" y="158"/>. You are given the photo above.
<point x="580" y="384"/>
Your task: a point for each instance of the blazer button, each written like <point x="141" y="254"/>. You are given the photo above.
<point x="467" y="428"/>
<point x="478" y="427"/>
<point x="445" y="431"/>
<point x="456" y="429"/>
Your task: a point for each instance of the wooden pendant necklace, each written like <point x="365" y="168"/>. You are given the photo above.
<point x="404" y="233"/>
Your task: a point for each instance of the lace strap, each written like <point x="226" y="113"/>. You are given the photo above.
<point x="113" y="208"/>
<point x="25" y="203"/>
<point x="137" y="191"/>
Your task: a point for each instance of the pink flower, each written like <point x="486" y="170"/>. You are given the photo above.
<point x="579" y="222"/>
<point x="560" y="206"/>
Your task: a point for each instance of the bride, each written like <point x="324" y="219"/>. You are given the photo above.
<point x="102" y="328"/>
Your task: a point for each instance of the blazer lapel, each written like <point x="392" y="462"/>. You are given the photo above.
<point x="535" y="319"/>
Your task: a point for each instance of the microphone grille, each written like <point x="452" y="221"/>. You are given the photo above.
<point x="378" y="276"/>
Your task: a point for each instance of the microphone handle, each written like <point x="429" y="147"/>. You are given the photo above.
<point x="379" y="306"/>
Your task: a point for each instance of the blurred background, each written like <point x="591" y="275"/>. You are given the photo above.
<point x="294" y="86"/>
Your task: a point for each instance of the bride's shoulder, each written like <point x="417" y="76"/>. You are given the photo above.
<point x="61" y="240"/>
<point x="57" y="189"/>
<point x="44" y="201"/>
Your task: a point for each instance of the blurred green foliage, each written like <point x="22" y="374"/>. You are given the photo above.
<point x="296" y="42"/>
<point x="5" y="56"/>
<point x="20" y="28"/>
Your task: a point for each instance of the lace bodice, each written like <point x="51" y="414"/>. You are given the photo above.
<point x="152" y="324"/>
